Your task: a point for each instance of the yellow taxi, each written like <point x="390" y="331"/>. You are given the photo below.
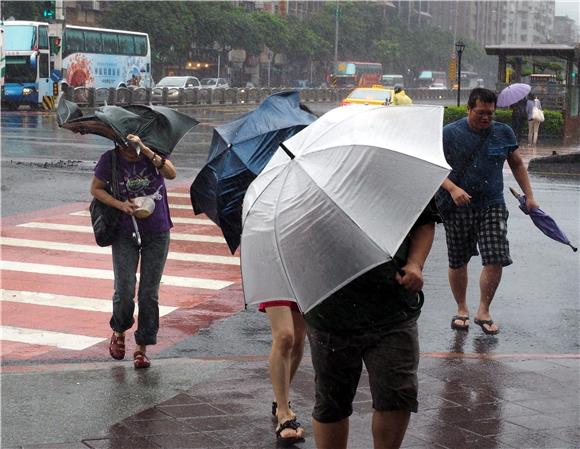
<point x="375" y="95"/>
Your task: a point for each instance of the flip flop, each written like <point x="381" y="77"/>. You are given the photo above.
<point x="459" y="327"/>
<point x="481" y="323"/>
<point x="288" y="441"/>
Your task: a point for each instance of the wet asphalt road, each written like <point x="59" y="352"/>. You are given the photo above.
<point x="537" y="304"/>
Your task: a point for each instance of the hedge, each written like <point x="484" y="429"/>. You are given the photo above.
<point x="553" y="126"/>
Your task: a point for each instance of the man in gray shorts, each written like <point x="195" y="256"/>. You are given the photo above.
<point x="373" y="319"/>
<point x="472" y="203"/>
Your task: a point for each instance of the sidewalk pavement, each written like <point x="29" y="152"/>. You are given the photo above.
<point x="466" y="401"/>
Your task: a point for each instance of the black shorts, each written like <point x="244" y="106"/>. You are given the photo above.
<point x="466" y="229"/>
<point x="391" y="357"/>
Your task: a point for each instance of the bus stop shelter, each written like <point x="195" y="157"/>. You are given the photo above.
<point x="567" y="96"/>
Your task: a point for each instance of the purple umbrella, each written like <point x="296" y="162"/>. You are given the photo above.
<point x="512" y="94"/>
<point x="543" y="221"/>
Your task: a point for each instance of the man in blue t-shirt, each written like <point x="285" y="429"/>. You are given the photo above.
<point x="472" y="203"/>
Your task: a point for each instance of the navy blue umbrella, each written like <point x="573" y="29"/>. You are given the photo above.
<point x="543" y="221"/>
<point x="239" y="151"/>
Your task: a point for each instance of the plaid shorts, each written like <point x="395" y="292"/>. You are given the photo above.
<point x="466" y="229"/>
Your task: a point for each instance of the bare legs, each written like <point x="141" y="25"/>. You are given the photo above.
<point x="330" y="435"/>
<point x="388" y="431"/>
<point x="488" y="283"/>
<point x="288" y="334"/>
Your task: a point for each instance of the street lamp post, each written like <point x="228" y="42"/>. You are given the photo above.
<point x="459" y="47"/>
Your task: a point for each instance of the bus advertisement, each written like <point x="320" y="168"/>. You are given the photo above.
<point x="91" y="57"/>
<point x="356" y="74"/>
<point x="98" y="57"/>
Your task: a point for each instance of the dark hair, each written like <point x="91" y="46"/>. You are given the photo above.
<point x="483" y="95"/>
<point x="398" y="88"/>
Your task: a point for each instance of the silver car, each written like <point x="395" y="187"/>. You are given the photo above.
<point x="214" y="83"/>
<point x="173" y="84"/>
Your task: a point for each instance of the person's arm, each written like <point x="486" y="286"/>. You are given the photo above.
<point x="460" y="197"/>
<point x="164" y="166"/>
<point x="421" y="241"/>
<point x="521" y="174"/>
<point x="99" y="192"/>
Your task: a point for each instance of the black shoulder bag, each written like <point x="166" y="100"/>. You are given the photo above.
<point x="105" y="219"/>
<point x="443" y="198"/>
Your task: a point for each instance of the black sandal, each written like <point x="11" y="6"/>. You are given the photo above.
<point x="275" y="407"/>
<point x="290" y="424"/>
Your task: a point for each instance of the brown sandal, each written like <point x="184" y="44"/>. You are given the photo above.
<point x="117" y="347"/>
<point x="140" y="360"/>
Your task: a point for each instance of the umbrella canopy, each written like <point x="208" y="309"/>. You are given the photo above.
<point x="239" y="151"/>
<point x="543" y="221"/>
<point x="359" y="178"/>
<point x="512" y="94"/>
<point x="159" y="128"/>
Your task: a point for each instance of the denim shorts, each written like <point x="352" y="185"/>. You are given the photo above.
<point x="391" y="357"/>
<point x="466" y="229"/>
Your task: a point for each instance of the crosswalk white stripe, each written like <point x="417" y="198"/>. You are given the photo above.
<point x="178" y="195"/>
<point x="179" y="220"/>
<point x="48" y="338"/>
<point x="68" y="302"/>
<point x="95" y="273"/>
<point x="89" y="230"/>
<point x="93" y="249"/>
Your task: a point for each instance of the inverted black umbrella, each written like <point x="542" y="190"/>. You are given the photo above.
<point x="543" y="221"/>
<point x="160" y="128"/>
<point x="239" y="151"/>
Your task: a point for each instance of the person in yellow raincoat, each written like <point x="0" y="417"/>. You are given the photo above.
<point x="401" y="96"/>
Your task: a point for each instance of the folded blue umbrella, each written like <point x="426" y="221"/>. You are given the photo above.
<point x="543" y="221"/>
<point x="239" y="151"/>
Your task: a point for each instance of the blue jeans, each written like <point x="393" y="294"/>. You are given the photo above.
<point x="126" y="254"/>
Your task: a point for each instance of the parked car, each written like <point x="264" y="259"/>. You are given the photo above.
<point x="376" y="95"/>
<point x="214" y="83"/>
<point x="173" y="84"/>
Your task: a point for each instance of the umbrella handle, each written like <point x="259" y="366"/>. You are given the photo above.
<point x="136" y="234"/>
<point x="515" y="193"/>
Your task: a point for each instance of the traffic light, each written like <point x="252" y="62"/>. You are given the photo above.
<point x="49" y="11"/>
<point x="55" y="44"/>
<point x="55" y="89"/>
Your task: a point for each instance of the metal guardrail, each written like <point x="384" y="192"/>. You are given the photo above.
<point x="122" y="96"/>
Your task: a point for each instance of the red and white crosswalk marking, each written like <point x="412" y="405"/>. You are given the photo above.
<point x="57" y="284"/>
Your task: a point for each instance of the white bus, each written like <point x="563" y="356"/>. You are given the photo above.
<point x="25" y="48"/>
<point x="98" y="57"/>
<point x="91" y="57"/>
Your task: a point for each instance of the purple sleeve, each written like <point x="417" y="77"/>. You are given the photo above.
<point x="103" y="168"/>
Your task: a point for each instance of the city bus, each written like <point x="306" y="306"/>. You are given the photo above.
<point x="99" y="57"/>
<point x="432" y="79"/>
<point x="27" y="64"/>
<point x="356" y="74"/>
<point x="91" y="57"/>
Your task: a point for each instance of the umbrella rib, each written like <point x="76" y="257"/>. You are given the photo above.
<point x="276" y="233"/>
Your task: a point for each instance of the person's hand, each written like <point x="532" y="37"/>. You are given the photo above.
<point x="412" y="278"/>
<point x="460" y="196"/>
<point x="127" y="207"/>
<point x="531" y="203"/>
<point x="135" y="139"/>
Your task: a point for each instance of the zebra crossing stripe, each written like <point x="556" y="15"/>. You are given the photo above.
<point x="89" y="230"/>
<point x="179" y="220"/>
<point x="68" y="302"/>
<point x="48" y="338"/>
<point x="93" y="249"/>
<point x="94" y="273"/>
<point x="178" y="195"/>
